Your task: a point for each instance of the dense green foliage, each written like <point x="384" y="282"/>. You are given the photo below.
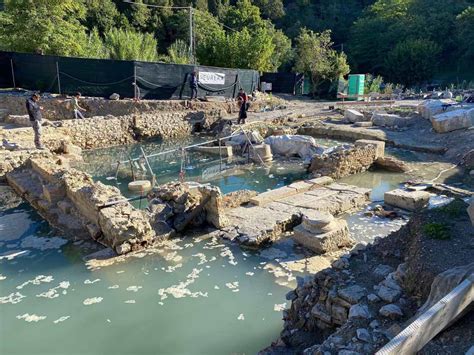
<point x="406" y="41"/>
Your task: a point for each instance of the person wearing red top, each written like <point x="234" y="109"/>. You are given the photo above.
<point x="243" y="99"/>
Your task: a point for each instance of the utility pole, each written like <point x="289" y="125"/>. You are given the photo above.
<point x="191" y="36"/>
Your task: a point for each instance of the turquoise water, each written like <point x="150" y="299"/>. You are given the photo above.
<point x="195" y="295"/>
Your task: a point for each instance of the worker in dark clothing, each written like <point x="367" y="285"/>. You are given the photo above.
<point x="242" y="99"/>
<point x="36" y="118"/>
<point x="193" y="84"/>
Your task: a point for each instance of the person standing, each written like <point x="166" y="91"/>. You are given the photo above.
<point x="77" y="108"/>
<point x="36" y="118"/>
<point x="193" y="84"/>
<point x="243" y="99"/>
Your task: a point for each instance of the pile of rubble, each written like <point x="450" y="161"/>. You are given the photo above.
<point x="177" y="206"/>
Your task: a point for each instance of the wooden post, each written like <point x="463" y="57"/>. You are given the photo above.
<point x="153" y="178"/>
<point x="13" y="73"/>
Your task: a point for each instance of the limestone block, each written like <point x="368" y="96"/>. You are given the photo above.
<point x="225" y="151"/>
<point x="318" y="222"/>
<point x="354" y="116"/>
<point x="325" y="242"/>
<point x="273" y="195"/>
<point x="301" y="186"/>
<point x="379" y="145"/>
<point x="453" y="120"/>
<point x="122" y="223"/>
<point x="320" y="181"/>
<point x="19" y="120"/>
<point x="392" y="164"/>
<point x="69" y="148"/>
<point x="388" y="120"/>
<point x="407" y="200"/>
<point x="48" y="170"/>
<point x="54" y="193"/>
<point x="262" y="152"/>
<point x="363" y="124"/>
<point x="430" y="108"/>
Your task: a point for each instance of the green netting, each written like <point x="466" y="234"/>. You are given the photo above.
<point x="101" y="77"/>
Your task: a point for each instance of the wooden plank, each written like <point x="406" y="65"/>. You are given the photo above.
<point x="414" y="337"/>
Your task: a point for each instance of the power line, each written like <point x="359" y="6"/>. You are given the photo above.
<point x="157" y="6"/>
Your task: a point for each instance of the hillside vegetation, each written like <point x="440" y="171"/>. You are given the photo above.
<point x="409" y="42"/>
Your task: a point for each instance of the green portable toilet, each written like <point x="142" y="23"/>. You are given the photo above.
<point x="356" y="86"/>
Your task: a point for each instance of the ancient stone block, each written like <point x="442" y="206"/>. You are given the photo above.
<point x="391" y="311"/>
<point x="388" y="120"/>
<point x="339" y="314"/>
<point x="354" y="116"/>
<point x="363" y="124"/>
<point x="273" y="195"/>
<point x="54" y="193"/>
<point x="122" y="223"/>
<point x="407" y="200"/>
<point x="325" y="242"/>
<point x="391" y="164"/>
<point x="344" y="161"/>
<point x="379" y="146"/>
<point x="453" y="120"/>
<point x="429" y="108"/>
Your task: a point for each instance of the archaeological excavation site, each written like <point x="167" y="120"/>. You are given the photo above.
<point x="313" y="228"/>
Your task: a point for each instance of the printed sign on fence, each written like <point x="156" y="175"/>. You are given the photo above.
<point x="206" y="77"/>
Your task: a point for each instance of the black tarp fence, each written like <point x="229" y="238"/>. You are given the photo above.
<point x="103" y="77"/>
<point x="284" y="83"/>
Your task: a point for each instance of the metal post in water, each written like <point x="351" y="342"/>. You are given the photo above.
<point x="13" y="73"/>
<point x="220" y="155"/>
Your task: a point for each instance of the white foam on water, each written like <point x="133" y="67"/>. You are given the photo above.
<point x="61" y="319"/>
<point x="172" y="268"/>
<point x="130" y="301"/>
<point x="279" y="307"/>
<point x="241" y="316"/>
<point x="36" y="281"/>
<point x="134" y="288"/>
<point x="113" y="287"/>
<point x="12" y="298"/>
<point x="53" y="292"/>
<point x="89" y="282"/>
<point x="2" y="277"/>
<point x="120" y="271"/>
<point x="232" y="285"/>
<point x="30" y="317"/>
<point x="249" y="273"/>
<point x="181" y="290"/>
<point x="93" y="300"/>
<point x="216" y="287"/>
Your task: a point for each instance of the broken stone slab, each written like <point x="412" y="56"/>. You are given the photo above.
<point x="391" y="311"/>
<point x="354" y="116"/>
<point x="391" y="164"/>
<point x="379" y="146"/>
<point x="324" y="242"/>
<point x="430" y="108"/>
<point x="363" y="124"/>
<point x="352" y="294"/>
<point x="224" y="151"/>
<point x="383" y="119"/>
<point x="453" y="120"/>
<point x="261" y="152"/>
<point x="407" y="200"/>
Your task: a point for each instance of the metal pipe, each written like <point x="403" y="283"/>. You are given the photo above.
<point x="13" y="73"/>
<point x="59" y="81"/>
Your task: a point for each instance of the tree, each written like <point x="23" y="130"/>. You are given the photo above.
<point x="49" y="26"/>
<point x="131" y="45"/>
<point x="272" y="9"/>
<point x="178" y="53"/>
<point x="95" y="48"/>
<point x="465" y="36"/>
<point x="316" y="58"/>
<point x="101" y="15"/>
<point x="413" y="61"/>
<point x="243" y="14"/>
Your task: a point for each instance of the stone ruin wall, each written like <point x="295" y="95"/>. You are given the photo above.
<point x="72" y="201"/>
<point x="344" y="162"/>
<point x="59" y="108"/>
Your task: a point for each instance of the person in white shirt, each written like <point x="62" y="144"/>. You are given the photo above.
<point x="77" y="108"/>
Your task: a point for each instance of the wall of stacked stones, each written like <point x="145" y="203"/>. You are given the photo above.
<point x="60" y="108"/>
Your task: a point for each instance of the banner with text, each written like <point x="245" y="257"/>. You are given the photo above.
<point x="211" y="78"/>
